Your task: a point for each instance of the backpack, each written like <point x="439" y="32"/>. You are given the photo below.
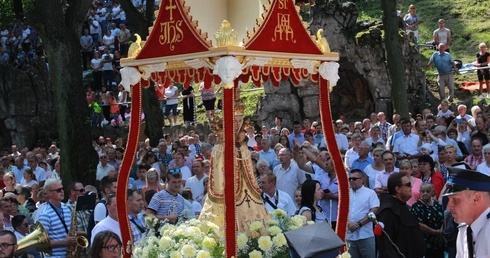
<point x="91" y="220"/>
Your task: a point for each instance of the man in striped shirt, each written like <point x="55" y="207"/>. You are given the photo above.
<point x="56" y="219"/>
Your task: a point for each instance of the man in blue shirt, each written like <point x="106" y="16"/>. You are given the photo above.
<point x="444" y="64"/>
<point x="364" y="160"/>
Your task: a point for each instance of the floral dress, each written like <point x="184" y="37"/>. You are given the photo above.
<point x="433" y="217"/>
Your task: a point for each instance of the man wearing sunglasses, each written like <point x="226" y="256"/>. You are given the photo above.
<point x="469" y="203"/>
<point x="21" y="227"/>
<point x="402" y="234"/>
<point x="363" y="200"/>
<point x="56" y="218"/>
<point x="77" y="189"/>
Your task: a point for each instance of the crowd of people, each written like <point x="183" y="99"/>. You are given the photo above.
<point x="293" y="170"/>
<point x="20" y="45"/>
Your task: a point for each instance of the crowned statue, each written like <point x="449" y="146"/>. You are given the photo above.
<point x="248" y="203"/>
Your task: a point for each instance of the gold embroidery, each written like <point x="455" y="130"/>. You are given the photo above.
<point x="283" y="4"/>
<point x="171" y="31"/>
<point x="283" y="27"/>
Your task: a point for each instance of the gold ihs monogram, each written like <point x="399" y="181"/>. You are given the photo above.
<point x="171" y="31"/>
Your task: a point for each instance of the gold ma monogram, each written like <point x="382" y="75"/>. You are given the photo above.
<point x="283" y="28"/>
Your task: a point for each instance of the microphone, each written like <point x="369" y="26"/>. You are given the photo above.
<point x="379" y="231"/>
<point x="372" y="217"/>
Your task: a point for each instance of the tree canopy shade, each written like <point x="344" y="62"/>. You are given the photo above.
<point x="59" y="28"/>
<point x="151" y="107"/>
<point x="394" y="55"/>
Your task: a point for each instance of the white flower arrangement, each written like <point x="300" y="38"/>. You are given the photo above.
<point x="202" y="239"/>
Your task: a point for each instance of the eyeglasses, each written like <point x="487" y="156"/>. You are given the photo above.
<point x="59" y="190"/>
<point x="80" y="190"/>
<point x="409" y="184"/>
<point x="486" y="153"/>
<point x="112" y="248"/>
<point x="103" y="157"/>
<point x="4" y="246"/>
<point x="354" y="178"/>
<point x="174" y="170"/>
<point x="151" y="176"/>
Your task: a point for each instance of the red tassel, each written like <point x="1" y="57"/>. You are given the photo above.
<point x="378" y="231"/>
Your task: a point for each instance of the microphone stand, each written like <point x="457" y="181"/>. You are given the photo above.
<point x="372" y="217"/>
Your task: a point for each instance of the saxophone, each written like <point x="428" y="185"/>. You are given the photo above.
<point x="82" y="242"/>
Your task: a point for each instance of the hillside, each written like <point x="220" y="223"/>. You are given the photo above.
<point x="468" y="20"/>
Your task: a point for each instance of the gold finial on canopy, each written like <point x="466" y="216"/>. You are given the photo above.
<point x="226" y="35"/>
<point x="321" y="42"/>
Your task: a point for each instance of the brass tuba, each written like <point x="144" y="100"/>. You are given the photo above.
<point x="82" y="242"/>
<point x="38" y="240"/>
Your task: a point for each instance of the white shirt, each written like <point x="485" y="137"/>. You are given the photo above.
<point x="350" y="156"/>
<point x="281" y="199"/>
<point x="106" y="224"/>
<point x="186" y="172"/>
<point x="196" y="186"/>
<point x="107" y="66"/>
<point x="382" y="178"/>
<point x="481" y="237"/>
<point x="407" y="144"/>
<point x="371" y="173"/>
<point x="172" y="97"/>
<point x="102" y="171"/>
<point x="94" y="27"/>
<point x="361" y="201"/>
<point x="289" y="179"/>
<point x="40" y="174"/>
<point x="342" y="141"/>
<point x="483" y="168"/>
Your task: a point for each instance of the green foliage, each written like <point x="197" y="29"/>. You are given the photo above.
<point x="6" y="12"/>
<point x="468" y="21"/>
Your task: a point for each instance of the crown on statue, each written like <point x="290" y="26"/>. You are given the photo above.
<point x="239" y="108"/>
<point x="216" y="124"/>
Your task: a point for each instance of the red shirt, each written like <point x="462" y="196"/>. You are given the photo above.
<point x="437" y="180"/>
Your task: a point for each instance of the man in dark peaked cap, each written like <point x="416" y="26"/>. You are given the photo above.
<point x="469" y="202"/>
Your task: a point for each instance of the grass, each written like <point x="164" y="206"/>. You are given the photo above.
<point x="467" y="20"/>
<point x="250" y="93"/>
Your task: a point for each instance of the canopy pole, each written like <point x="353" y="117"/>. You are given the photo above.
<point x="126" y="165"/>
<point x="333" y="149"/>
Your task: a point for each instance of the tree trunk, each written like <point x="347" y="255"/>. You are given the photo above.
<point x="153" y="115"/>
<point x="18" y="9"/>
<point x="394" y="55"/>
<point x="61" y="41"/>
<point x="138" y="22"/>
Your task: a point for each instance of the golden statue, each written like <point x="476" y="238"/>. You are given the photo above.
<point x="249" y="205"/>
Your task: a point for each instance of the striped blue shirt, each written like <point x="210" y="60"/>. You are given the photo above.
<point x="54" y="227"/>
<point x="165" y="204"/>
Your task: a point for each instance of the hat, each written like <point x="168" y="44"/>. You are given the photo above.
<point x="317" y="240"/>
<point x="465" y="179"/>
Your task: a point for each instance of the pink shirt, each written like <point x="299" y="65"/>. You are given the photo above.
<point x="415" y="192"/>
